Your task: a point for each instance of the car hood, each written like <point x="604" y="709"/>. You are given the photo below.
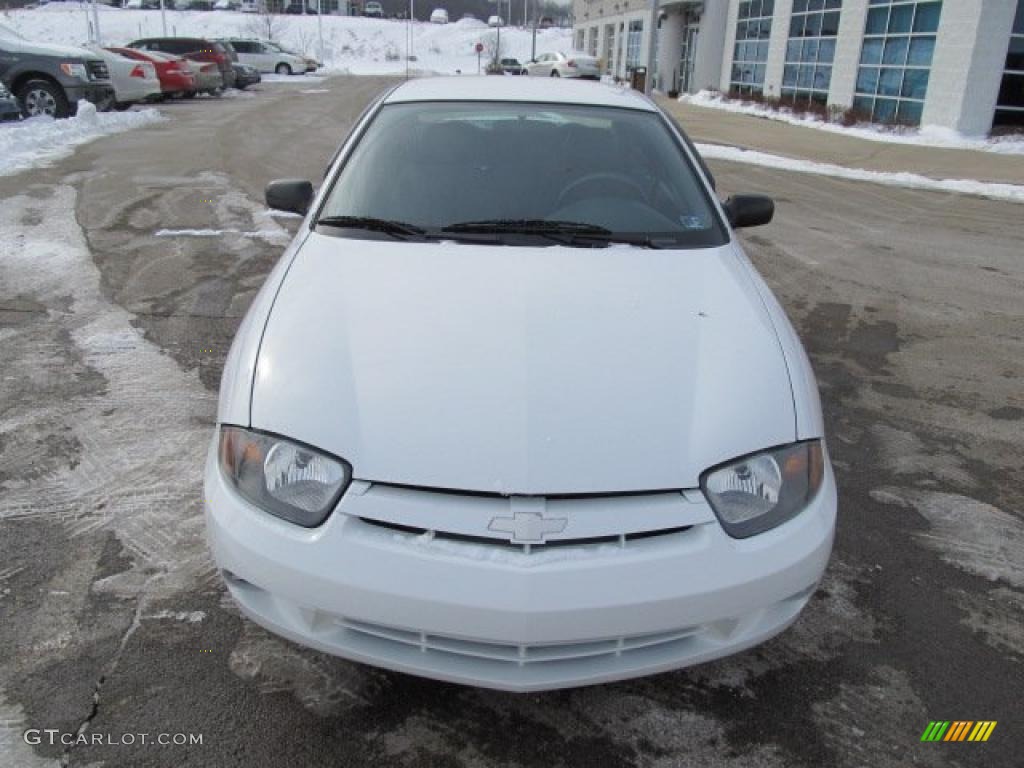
<point x="46" y="49"/>
<point x="522" y="370"/>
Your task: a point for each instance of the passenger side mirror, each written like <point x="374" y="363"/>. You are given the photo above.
<point x="749" y="210"/>
<point x="292" y="195"/>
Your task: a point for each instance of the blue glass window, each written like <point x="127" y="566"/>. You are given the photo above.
<point x="895" y="50"/>
<point x="909" y="112"/>
<point x="896" y="58"/>
<point x="877" y="20"/>
<point x="921" y="49"/>
<point x="927" y="17"/>
<point x="867" y="81"/>
<point x="889" y="81"/>
<point x="813" y="27"/>
<point x="1010" y="103"/>
<point x="871" y="52"/>
<point x="915" y="83"/>
<point x="753" y="28"/>
<point x="900" y="18"/>
<point x="885" y="110"/>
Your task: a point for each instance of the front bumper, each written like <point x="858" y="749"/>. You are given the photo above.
<point x="480" y="615"/>
<point x="9" y="109"/>
<point x="101" y="95"/>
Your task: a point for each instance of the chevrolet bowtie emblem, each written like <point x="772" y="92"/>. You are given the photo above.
<point x="528" y="527"/>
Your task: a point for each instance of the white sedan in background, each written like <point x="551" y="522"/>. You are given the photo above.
<point x="268" y="56"/>
<point x="544" y="427"/>
<point x="133" y="81"/>
<point x="560" y="64"/>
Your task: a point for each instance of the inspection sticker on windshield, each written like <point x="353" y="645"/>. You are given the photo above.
<point x="692" y="222"/>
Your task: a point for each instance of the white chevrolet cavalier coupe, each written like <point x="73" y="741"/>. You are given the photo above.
<point x="514" y="409"/>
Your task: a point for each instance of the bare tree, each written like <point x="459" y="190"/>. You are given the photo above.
<point x="267" y="25"/>
<point x="303" y="39"/>
<point x="494" y="50"/>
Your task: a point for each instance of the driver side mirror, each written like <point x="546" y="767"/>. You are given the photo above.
<point x="292" y="195"/>
<point x="749" y="210"/>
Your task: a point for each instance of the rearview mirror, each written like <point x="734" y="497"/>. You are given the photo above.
<point x="749" y="210"/>
<point x="292" y="195"/>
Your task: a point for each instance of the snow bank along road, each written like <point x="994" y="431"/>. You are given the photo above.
<point x="113" y="622"/>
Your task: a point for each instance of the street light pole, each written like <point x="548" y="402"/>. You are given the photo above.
<point x="652" y="32"/>
<point x="533" y="45"/>
<point x="320" y="27"/>
<point x="163" y="18"/>
<point x="96" y="21"/>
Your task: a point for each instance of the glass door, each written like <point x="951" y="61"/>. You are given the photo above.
<point x="688" y="56"/>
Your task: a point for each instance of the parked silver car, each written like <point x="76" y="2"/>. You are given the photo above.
<point x="559" y="64"/>
<point x="267" y="56"/>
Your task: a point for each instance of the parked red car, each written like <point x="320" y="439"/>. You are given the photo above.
<point x="197" y="49"/>
<point x="176" y="78"/>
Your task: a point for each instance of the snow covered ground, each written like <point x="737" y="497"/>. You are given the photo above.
<point x="42" y="140"/>
<point x="1011" y="193"/>
<point x="926" y="136"/>
<point x="352" y="45"/>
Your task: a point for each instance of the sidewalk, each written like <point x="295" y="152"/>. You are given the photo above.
<point x="714" y="126"/>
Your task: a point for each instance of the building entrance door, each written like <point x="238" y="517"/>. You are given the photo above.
<point x="688" y="57"/>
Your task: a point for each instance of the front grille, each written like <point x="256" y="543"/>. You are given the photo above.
<point x="521" y="654"/>
<point x="621" y="539"/>
<point x="97" y="70"/>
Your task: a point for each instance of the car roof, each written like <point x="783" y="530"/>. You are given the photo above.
<point x="520" y="89"/>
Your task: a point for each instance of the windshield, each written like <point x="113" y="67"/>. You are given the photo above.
<point x="450" y="166"/>
<point x="279" y="47"/>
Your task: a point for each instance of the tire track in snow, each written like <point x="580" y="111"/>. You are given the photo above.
<point x="142" y="442"/>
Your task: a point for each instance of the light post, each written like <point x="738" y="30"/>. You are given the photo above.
<point x="163" y="18"/>
<point x="320" y="27"/>
<point x="533" y="44"/>
<point x="652" y="31"/>
<point x="96" y="22"/>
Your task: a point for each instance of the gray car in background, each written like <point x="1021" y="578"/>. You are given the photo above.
<point x="52" y="79"/>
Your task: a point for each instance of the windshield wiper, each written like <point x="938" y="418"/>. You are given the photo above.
<point x="528" y="227"/>
<point x="565" y="232"/>
<point x="398" y="229"/>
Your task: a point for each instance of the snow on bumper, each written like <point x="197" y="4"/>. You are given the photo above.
<point x="591" y="614"/>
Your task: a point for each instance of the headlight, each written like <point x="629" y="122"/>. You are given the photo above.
<point x="286" y="479"/>
<point x="71" y="69"/>
<point x="758" y="492"/>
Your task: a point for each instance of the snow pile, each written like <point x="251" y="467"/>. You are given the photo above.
<point x="43" y="140"/>
<point x="1011" y="193"/>
<point x="352" y="45"/>
<point x="926" y="136"/>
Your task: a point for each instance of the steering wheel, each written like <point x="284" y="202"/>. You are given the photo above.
<point x="620" y="179"/>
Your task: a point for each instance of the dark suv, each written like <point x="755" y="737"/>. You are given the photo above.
<point x="196" y="49"/>
<point x="52" y="79"/>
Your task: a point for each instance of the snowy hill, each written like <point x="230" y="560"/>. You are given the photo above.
<point x="350" y="44"/>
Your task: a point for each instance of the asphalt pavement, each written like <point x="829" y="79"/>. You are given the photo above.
<point x="124" y="272"/>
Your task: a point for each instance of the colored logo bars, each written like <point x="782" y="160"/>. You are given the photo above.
<point x="958" y="730"/>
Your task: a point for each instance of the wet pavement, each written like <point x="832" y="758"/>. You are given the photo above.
<point x="124" y="272"/>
